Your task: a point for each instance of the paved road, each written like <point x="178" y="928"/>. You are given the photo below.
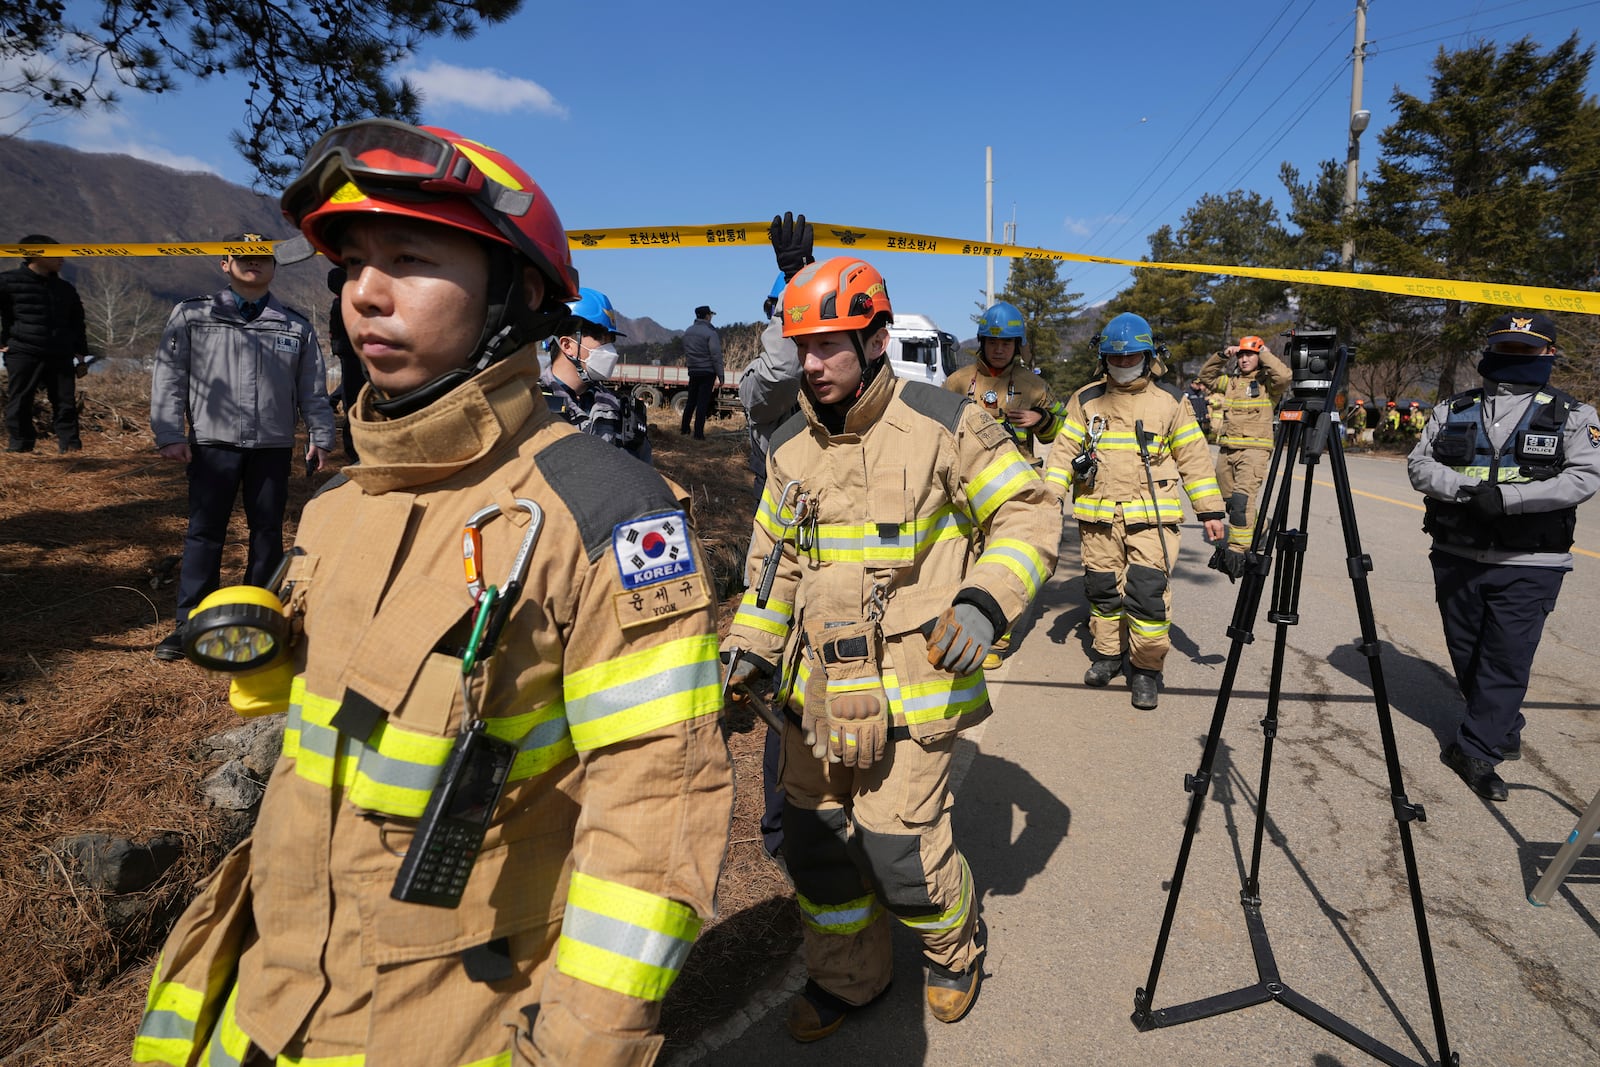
<point x="1071" y="811"/>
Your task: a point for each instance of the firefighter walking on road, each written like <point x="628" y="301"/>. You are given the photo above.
<point x="876" y="623"/>
<point x="498" y="626"/>
<point x="1249" y="379"/>
<point x="1127" y="437"/>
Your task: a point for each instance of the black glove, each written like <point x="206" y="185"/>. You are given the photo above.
<point x="1233" y="564"/>
<point x="790" y="235"/>
<point x="1482" y="500"/>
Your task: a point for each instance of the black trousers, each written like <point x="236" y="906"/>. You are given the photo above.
<point x="1493" y="618"/>
<point x="217" y="474"/>
<point x="27" y="372"/>
<point x="701" y="387"/>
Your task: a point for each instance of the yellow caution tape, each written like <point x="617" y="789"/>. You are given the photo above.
<point x="728" y="234"/>
<point x="171" y="248"/>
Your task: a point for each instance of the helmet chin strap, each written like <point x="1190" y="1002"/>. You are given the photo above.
<point x="503" y="333"/>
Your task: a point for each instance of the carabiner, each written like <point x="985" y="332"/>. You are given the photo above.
<point x="486" y="633"/>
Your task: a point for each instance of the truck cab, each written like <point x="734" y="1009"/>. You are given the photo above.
<point x="920" y="351"/>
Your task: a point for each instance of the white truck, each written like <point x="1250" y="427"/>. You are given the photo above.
<point x="920" y="351"/>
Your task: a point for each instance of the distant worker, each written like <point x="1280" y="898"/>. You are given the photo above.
<point x="1000" y="382"/>
<point x="702" y="355"/>
<point x="1389" y="424"/>
<point x="234" y="371"/>
<point x="1250" y="379"/>
<point x="1129" y="537"/>
<point x="583" y="355"/>
<point x="880" y="624"/>
<point x="1503" y="468"/>
<point x="1414" y="419"/>
<point x="1199" y="398"/>
<point x="43" y="337"/>
<point x="1356" y="422"/>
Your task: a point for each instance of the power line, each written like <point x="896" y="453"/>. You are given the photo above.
<point x="1173" y="170"/>
<point x="1233" y="73"/>
<point x="1482" y="29"/>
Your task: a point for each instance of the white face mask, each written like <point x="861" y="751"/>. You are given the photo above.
<point x="599" y="364"/>
<point x="1125" y="375"/>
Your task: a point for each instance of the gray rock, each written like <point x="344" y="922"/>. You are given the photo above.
<point x="110" y="864"/>
<point x="232" y="787"/>
<point x="257" y="744"/>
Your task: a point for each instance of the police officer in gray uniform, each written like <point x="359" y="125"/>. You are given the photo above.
<point x="1504" y="468"/>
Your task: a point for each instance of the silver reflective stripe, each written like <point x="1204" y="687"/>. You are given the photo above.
<point x="624" y="938"/>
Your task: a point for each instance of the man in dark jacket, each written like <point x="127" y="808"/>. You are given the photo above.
<point x="702" y="354"/>
<point x="42" y="336"/>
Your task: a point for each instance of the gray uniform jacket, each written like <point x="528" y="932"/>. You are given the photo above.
<point x="769" y="389"/>
<point x="1504" y="405"/>
<point x="235" y="382"/>
<point x="702" y="348"/>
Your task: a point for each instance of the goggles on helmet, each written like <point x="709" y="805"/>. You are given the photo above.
<point x="396" y="157"/>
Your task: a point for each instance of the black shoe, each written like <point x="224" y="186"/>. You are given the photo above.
<point x="17" y="446"/>
<point x="1101" y="671"/>
<point x="171" y="647"/>
<point x="1513" y="753"/>
<point x="70" y="446"/>
<point x="1478" y="774"/>
<point x="1146" y="688"/>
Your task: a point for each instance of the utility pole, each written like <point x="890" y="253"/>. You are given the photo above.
<point x="1359" y="117"/>
<point x="988" y="221"/>
<point x="1010" y="228"/>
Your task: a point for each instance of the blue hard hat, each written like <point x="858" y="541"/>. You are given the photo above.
<point x="594" y="306"/>
<point x="1001" y="320"/>
<point x="1126" y="333"/>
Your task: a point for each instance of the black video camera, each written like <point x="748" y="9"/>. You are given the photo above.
<point x="1312" y="356"/>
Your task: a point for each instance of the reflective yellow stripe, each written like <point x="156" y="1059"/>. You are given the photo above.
<point x="953" y="918"/>
<point x="920" y="702"/>
<point x="395" y="769"/>
<point x="1238" y="441"/>
<point x="624" y="939"/>
<point x="1202" y="487"/>
<point x="840" y="919"/>
<point x="1186" y="433"/>
<point x="1106" y="613"/>
<point x="1151" y="628"/>
<point x="774" y="619"/>
<point x="1168" y="510"/>
<point x="1059" y="478"/>
<point x="1018" y="557"/>
<point x="643" y="691"/>
<point x="1507" y="473"/>
<point x="1241" y="535"/>
<point x="998" y="482"/>
<point x="767" y="514"/>
<point x="229" y="1044"/>
<point x="171" y="1017"/>
<point x="850" y="543"/>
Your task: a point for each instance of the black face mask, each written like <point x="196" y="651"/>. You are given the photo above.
<point x="1516" y="370"/>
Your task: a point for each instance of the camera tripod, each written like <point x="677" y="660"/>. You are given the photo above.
<point x="1305" y="429"/>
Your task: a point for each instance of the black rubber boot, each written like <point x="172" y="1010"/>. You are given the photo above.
<point x="1101" y="671"/>
<point x="1146" y="688"/>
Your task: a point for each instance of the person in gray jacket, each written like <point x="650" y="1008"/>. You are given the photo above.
<point x="702" y="355"/>
<point x="233" y="372"/>
<point x="769" y="388"/>
<point x="1504" y="468"/>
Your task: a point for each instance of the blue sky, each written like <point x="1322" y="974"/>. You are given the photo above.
<point x="1106" y="121"/>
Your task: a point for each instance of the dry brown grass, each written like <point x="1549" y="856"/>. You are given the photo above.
<point x="96" y="735"/>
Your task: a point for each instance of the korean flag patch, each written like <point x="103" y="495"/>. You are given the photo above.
<point x="653" y="549"/>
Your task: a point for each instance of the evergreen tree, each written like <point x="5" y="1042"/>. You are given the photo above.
<point x="310" y="64"/>
<point x="1479" y="181"/>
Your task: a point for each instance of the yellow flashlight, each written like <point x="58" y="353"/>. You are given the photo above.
<point x="238" y="628"/>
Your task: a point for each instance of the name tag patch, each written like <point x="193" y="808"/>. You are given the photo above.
<point x="287" y="343"/>
<point x="652" y="549"/>
<point x="1539" y="444"/>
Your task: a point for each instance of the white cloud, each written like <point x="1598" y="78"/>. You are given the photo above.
<point x="1077" y="227"/>
<point x="484" y="89"/>
<point x="112" y="131"/>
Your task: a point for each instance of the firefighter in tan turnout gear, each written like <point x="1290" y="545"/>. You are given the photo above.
<point x="1250" y="379"/>
<point x="1129" y="446"/>
<point x="876" y="622"/>
<point x="492" y="605"/>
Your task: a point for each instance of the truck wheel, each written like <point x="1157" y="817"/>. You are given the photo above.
<point x="680" y="402"/>
<point x="649" y="395"/>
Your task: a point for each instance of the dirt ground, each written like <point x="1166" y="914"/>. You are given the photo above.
<point x="98" y="736"/>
